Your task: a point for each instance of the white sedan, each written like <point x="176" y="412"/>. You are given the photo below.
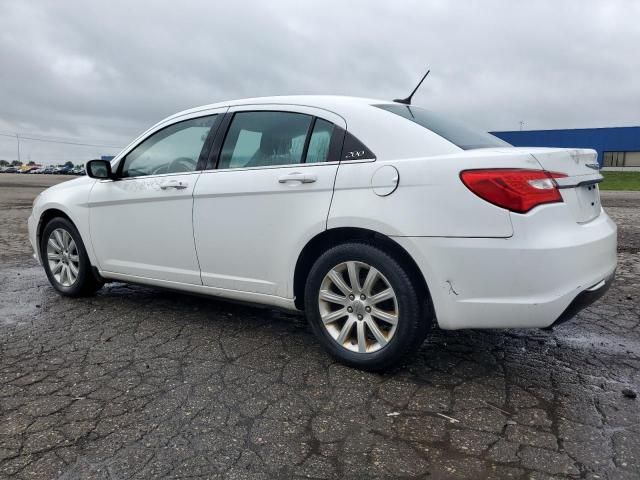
<point x="377" y="219"/>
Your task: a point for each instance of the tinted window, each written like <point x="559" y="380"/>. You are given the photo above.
<point x="354" y="149"/>
<point x="257" y="139"/>
<point x="320" y="142"/>
<point x="457" y="133"/>
<point x="171" y="150"/>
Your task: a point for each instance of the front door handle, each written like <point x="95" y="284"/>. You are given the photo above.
<point x="297" y="177"/>
<point x="174" y="184"/>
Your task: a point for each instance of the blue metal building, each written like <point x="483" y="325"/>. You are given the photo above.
<point x="616" y="147"/>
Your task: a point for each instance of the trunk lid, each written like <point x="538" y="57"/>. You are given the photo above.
<point x="579" y="189"/>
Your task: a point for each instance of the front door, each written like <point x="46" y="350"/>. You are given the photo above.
<point x="269" y="193"/>
<point x="141" y="223"/>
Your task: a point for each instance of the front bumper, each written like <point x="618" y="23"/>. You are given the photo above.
<point x="32" y="227"/>
<point x="526" y="281"/>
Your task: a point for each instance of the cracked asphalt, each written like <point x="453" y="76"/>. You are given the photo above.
<point x="143" y="383"/>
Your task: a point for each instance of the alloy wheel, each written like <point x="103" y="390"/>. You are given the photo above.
<point x="358" y="307"/>
<point x="63" y="258"/>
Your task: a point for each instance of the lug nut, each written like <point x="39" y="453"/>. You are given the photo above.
<point x="351" y="297"/>
<point x="349" y="309"/>
<point x="368" y="309"/>
<point x="359" y="317"/>
<point x="363" y="297"/>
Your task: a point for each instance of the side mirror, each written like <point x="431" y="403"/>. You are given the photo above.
<point x="100" y="169"/>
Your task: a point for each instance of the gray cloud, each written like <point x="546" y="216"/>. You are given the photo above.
<point x="102" y="72"/>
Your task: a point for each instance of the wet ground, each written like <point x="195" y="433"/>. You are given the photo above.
<point x="141" y="383"/>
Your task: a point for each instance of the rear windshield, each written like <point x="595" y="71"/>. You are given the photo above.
<point x="457" y="133"/>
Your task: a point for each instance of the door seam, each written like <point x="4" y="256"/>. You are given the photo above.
<point x="193" y="226"/>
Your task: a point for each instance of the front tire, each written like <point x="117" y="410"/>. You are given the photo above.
<point x="364" y="307"/>
<point x="65" y="259"/>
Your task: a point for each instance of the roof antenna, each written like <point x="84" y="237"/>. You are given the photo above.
<point x="407" y="101"/>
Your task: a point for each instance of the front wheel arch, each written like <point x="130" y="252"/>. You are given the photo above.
<point x="336" y="236"/>
<point x="86" y="281"/>
<point x="46" y="217"/>
<point x="53" y="213"/>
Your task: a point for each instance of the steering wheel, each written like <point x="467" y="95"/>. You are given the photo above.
<point x="182" y="164"/>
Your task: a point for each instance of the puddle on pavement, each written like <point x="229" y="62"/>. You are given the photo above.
<point x="613" y="344"/>
<point x="19" y="298"/>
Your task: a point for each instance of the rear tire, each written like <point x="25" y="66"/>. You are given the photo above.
<point x="364" y="307"/>
<point x="65" y="260"/>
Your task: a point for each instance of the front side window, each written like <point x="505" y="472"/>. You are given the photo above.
<point x="174" y="149"/>
<point x="457" y="133"/>
<point x="264" y="139"/>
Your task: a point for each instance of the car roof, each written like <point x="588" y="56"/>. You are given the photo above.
<point x="368" y="124"/>
<point x="333" y="103"/>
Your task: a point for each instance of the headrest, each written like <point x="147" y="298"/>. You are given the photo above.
<point x="272" y="144"/>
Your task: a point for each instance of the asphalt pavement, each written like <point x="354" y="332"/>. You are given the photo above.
<point x="143" y="383"/>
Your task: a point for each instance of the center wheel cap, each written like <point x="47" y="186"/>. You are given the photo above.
<point x="358" y="308"/>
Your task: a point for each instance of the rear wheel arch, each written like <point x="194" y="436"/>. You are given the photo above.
<point x="336" y="236"/>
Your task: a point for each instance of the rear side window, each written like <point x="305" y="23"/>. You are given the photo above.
<point x="320" y="142"/>
<point x="354" y="149"/>
<point x="262" y="139"/>
<point x="455" y="132"/>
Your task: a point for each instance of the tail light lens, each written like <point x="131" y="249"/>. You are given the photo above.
<point x="517" y="190"/>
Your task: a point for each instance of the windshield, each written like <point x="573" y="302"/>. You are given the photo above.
<point x="457" y="133"/>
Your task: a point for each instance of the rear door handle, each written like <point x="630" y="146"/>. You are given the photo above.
<point x="173" y="184"/>
<point x="297" y="177"/>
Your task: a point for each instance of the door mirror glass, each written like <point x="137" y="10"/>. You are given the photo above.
<point x="100" y="169"/>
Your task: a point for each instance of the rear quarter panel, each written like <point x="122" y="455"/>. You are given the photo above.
<point x="430" y="201"/>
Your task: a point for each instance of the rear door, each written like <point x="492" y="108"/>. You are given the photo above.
<point x="141" y="223"/>
<point x="266" y="193"/>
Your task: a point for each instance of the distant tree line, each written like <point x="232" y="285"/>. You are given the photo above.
<point x="18" y="163"/>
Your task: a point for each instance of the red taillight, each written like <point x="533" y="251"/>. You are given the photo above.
<point x="517" y="190"/>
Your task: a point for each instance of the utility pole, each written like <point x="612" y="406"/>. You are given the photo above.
<point x="18" y="140"/>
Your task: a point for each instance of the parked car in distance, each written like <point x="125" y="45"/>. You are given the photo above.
<point x="10" y="170"/>
<point x="376" y="219"/>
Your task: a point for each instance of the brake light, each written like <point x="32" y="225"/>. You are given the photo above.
<point x="517" y="190"/>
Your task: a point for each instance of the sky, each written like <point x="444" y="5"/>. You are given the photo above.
<point x="100" y="73"/>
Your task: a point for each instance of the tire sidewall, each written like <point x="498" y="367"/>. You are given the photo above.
<point x="84" y="264"/>
<point x="410" y="311"/>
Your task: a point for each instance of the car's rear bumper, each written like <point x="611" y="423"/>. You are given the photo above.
<point x="533" y="279"/>
<point x="584" y="299"/>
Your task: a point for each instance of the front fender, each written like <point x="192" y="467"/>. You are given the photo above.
<point x="71" y="199"/>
